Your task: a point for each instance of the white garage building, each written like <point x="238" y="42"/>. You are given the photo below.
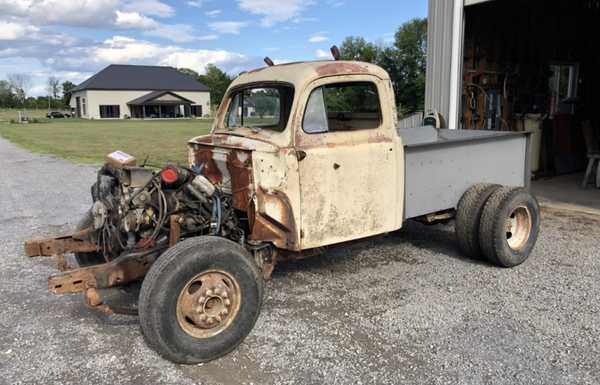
<point x="140" y="92"/>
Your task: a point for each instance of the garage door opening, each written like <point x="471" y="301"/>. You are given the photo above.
<point x="534" y="65"/>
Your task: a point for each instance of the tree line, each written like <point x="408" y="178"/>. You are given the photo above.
<point x="405" y="61"/>
<point x="14" y="89"/>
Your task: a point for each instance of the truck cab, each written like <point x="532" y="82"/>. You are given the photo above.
<point x="310" y="152"/>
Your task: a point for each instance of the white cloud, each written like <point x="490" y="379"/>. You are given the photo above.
<point x="195" y="3"/>
<point x="336" y="3"/>
<point x="15" y="31"/>
<point x="322" y="54"/>
<point x="179" y="33"/>
<point x="207" y="37"/>
<point x="318" y="39"/>
<point x="229" y="27"/>
<point x="275" y="11"/>
<point x="150" y="7"/>
<point x="124" y="50"/>
<point x="87" y="13"/>
<point x="213" y="13"/>
<point x="134" y="20"/>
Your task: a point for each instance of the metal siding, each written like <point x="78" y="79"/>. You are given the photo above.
<point x="413" y="120"/>
<point x="439" y="56"/>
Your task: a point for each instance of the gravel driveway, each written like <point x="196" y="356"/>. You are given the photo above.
<point x="406" y="308"/>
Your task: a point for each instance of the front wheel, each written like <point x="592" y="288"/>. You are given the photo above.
<point x="200" y="299"/>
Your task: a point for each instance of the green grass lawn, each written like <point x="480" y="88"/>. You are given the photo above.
<point x="85" y="141"/>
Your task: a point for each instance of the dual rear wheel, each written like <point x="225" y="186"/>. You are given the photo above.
<point x="498" y="223"/>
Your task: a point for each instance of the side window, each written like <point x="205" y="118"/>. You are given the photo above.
<point x="343" y="107"/>
<point x="315" y="117"/>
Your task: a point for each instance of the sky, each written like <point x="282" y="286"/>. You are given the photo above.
<point x="73" y="39"/>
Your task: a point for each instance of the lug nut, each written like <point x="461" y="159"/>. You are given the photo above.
<point x="227" y="302"/>
<point x="201" y="299"/>
<point x="209" y="292"/>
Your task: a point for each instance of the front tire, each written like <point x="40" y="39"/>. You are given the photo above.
<point x="200" y="299"/>
<point x="509" y="226"/>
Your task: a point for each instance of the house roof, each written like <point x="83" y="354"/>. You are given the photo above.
<point x="134" y="77"/>
<point x="144" y="99"/>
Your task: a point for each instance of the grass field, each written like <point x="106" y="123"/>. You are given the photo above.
<point x="6" y="114"/>
<point x="85" y="141"/>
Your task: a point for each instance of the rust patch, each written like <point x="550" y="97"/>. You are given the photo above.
<point x="239" y="165"/>
<point x="203" y="156"/>
<point x="117" y="272"/>
<point x="274" y="220"/>
<point x="57" y="246"/>
<point x="340" y="68"/>
<point x="175" y="230"/>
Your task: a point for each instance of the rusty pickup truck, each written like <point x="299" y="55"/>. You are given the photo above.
<point x="301" y="157"/>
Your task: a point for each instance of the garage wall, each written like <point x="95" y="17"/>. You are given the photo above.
<point x="439" y="57"/>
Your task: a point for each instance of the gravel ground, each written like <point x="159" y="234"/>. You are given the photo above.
<point x="405" y="308"/>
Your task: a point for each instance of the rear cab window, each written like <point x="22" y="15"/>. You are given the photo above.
<point x="343" y="107"/>
<point x="260" y="107"/>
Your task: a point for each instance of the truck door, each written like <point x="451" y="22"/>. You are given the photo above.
<point x="346" y="149"/>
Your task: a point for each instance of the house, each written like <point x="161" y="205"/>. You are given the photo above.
<point x="140" y="92"/>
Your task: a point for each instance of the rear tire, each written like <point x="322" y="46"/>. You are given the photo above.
<point x="175" y="315"/>
<point x="509" y="226"/>
<point x="468" y="215"/>
<point x="91" y="258"/>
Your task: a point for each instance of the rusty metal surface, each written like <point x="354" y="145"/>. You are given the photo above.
<point x="120" y="271"/>
<point x="57" y="246"/>
<point x="228" y="168"/>
<point x="208" y="304"/>
<point x="174" y="230"/>
<point x="274" y="220"/>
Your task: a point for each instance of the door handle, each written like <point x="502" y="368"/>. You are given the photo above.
<point x="300" y="155"/>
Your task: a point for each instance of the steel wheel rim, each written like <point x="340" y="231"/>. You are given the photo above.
<point x="208" y="304"/>
<point x="518" y="228"/>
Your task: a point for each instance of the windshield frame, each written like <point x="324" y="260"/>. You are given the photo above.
<point x="285" y="104"/>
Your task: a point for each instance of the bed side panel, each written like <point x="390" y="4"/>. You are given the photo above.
<point x="438" y="174"/>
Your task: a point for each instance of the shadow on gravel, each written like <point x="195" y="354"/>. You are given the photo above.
<point x="437" y="240"/>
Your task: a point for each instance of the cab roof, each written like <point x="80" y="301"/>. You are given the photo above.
<point x="301" y="73"/>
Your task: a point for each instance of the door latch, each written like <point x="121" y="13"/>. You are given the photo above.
<point x="300" y="155"/>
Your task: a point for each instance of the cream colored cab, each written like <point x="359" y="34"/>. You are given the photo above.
<point x="326" y="163"/>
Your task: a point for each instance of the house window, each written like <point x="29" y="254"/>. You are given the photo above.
<point x="197" y="110"/>
<point x="83" y="107"/>
<point x="111" y="111"/>
<point x="343" y="107"/>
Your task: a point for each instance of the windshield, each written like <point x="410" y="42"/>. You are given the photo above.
<point x="260" y="108"/>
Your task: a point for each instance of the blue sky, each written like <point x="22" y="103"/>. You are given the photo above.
<point x="72" y="39"/>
